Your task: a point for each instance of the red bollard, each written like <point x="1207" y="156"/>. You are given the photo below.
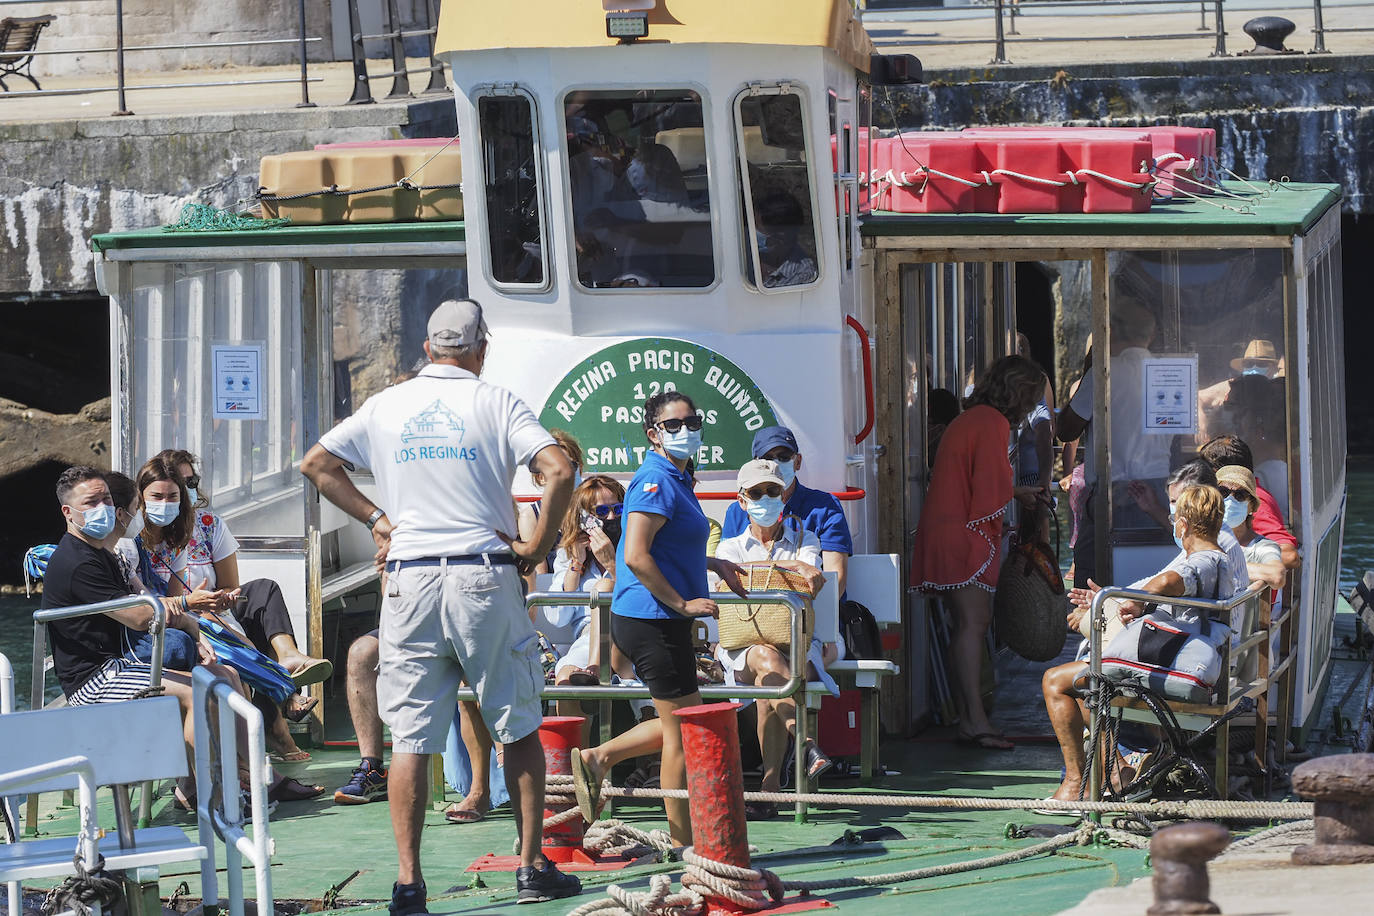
<point x="561" y="844"/>
<point x="715" y="782"/>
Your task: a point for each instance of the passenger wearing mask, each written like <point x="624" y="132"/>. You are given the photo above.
<point x="819" y="511"/>
<point x="1262" y="556"/>
<point x="1267" y="520"/>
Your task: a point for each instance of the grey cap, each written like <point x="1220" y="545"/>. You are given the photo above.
<point x="457" y="323"/>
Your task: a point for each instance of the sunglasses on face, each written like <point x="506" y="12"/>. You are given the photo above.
<point x="611" y="511"/>
<point x="193" y="482"/>
<point x="781" y="457"/>
<point x="1231" y="491"/>
<point x="762" y="490"/>
<point x="693" y="423"/>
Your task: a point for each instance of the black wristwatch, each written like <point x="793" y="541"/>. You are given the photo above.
<point x="372" y="519"/>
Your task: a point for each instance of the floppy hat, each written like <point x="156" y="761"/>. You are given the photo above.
<point x="1238" y="477"/>
<point x="1257" y="351"/>
<point x="756" y="472"/>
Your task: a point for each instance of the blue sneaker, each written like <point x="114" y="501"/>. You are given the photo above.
<point x="366" y="784"/>
<point x="407" y="900"/>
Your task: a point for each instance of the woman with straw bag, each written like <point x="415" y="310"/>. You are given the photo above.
<point x="778" y="554"/>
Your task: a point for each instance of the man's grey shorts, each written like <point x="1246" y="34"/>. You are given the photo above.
<point x="445" y="624"/>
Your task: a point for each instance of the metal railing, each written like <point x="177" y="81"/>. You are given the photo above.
<point x="395" y="37"/>
<point x="120" y="49"/>
<point x="38" y="681"/>
<point x="14" y="894"/>
<point x="222" y="812"/>
<point x="1004" y="14"/>
<point x="604" y="692"/>
<point x="1216" y="609"/>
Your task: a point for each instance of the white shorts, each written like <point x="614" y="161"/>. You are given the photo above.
<point x="118" y="679"/>
<point x="441" y="625"/>
<point x="732" y="662"/>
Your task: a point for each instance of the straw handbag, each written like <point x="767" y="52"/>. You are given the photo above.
<point x="1029" y="608"/>
<point x="744" y="625"/>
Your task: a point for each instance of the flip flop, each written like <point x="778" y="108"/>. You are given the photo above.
<point x="292" y="789"/>
<point x="464" y="815"/>
<point x="585" y="787"/>
<point x="300" y="711"/>
<point x="312" y="672"/>
<point x="988" y="741"/>
<point x="183" y="802"/>
<point x="296" y="756"/>
<point x="1059" y="812"/>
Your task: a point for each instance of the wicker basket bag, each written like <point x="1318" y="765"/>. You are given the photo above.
<point x="744" y="625"/>
<point x="1029" y="608"/>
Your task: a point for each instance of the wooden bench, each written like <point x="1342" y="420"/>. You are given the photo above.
<point x="18" y="41"/>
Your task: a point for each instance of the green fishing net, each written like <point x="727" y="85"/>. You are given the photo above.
<point x="204" y="218"/>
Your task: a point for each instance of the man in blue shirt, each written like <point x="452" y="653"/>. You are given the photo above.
<point x="818" y="510"/>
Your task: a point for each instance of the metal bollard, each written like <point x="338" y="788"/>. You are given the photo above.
<point x="1180" y="855"/>
<point x="1342" y="788"/>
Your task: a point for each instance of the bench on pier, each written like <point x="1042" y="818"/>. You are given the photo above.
<point x="18" y="41"/>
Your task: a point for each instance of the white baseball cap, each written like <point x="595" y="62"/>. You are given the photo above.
<point x="456" y="323"/>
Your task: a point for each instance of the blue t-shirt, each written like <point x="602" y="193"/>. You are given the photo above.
<point x="679" y="547"/>
<point x="818" y="510"/>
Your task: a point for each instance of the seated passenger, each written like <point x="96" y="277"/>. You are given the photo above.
<point x="1268" y="519"/>
<point x="527" y="514"/>
<point x="783" y="258"/>
<point x="1203" y="571"/>
<point x="1263" y="558"/>
<point x="773" y="537"/>
<point x="585" y="563"/>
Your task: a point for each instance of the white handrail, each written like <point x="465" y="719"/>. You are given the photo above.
<point x="223" y="817"/>
<point x="88" y="840"/>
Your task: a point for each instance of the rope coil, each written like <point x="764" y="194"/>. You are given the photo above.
<point x="79" y="891"/>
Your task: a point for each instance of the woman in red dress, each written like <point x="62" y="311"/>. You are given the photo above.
<point x="958" y="540"/>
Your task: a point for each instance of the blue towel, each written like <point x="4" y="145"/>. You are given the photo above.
<point x="458" y="766"/>
<point x="255" y="669"/>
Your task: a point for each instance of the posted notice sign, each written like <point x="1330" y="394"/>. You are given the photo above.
<point x="1170" y="395"/>
<point x="237" y="370"/>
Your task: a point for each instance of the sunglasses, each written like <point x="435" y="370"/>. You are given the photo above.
<point x="1233" y="491"/>
<point x="611" y="511"/>
<point x="767" y="489"/>
<point x="781" y="457"/>
<point x="193" y="482"/>
<point x="693" y="423"/>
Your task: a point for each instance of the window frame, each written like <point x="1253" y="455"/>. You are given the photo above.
<point x="712" y="184"/>
<point x="508" y="91"/>
<point x="751" y="247"/>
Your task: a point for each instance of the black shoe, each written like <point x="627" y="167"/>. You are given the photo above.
<point x="816" y="761"/>
<point x="760" y="811"/>
<point x="407" y="899"/>
<point x="789" y="760"/>
<point x="538" y="885"/>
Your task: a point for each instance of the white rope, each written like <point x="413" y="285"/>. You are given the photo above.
<point x="615" y="837"/>
<point x="1284" y="836"/>
<point x="659" y="899"/>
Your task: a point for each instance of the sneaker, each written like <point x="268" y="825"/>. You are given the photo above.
<point x="407" y="899"/>
<point x="536" y="885"/>
<point x="365" y="785"/>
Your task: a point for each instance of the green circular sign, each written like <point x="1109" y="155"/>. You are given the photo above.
<point x="601" y="402"/>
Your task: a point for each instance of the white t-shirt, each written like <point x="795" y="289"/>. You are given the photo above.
<point x="1261" y="550"/>
<point x="211" y="542"/>
<point x="443" y="448"/>
<point x="1136" y="455"/>
<point x="126" y="552"/>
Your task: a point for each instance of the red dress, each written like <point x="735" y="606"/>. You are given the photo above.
<point x="960" y="532"/>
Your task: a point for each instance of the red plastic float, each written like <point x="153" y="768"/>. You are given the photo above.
<point x="561" y="844"/>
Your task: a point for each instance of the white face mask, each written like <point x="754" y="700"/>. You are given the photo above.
<point x="160" y="513"/>
<point x="764" y="511"/>
<point x="135" y="526"/>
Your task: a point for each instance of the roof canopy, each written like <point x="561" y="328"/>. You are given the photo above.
<point x="479" y="25"/>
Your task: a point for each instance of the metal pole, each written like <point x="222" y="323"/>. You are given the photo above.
<point x="1000" y="54"/>
<point x="1318" y="28"/>
<point x="400" y="83"/>
<point x="1015" y="11"/>
<point x="119" y="58"/>
<point x="305" y="79"/>
<point x="362" y="91"/>
<point x="1202" y="12"/>
<point x="436" y="76"/>
<point x="1221" y="34"/>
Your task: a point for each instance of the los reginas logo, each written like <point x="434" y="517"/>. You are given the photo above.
<point x="601" y="402"/>
<point x="434" y="434"/>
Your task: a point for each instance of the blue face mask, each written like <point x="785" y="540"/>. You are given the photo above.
<point x="787" y="470"/>
<point x="98" y="521"/>
<point x="161" y="514"/>
<point x="682" y="444"/>
<point x="192" y="495"/>
<point x="1236" y="512"/>
<point x="1178" y="539"/>
<point x="764" y="512"/>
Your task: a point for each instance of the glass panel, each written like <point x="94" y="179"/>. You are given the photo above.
<point x="510" y="157"/>
<point x="1328" y="393"/>
<point x="1221" y="313"/>
<point x="641" y="201"/>
<point x="779" y="225"/>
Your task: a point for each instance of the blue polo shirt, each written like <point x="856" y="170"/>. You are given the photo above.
<point x="818" y="510"/>
<point x="679" y="547"/>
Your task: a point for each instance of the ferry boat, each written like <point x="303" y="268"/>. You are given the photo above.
<point x="716" y="198"/>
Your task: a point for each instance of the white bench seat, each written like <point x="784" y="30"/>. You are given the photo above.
<point x="52" y="857"/>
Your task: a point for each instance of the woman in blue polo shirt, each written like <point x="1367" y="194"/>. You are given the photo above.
<point x="660" y="585"/>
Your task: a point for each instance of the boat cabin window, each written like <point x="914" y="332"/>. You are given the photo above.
<point x="640" y="196"/>
<point x="1197" y="350"/>
<point x="779" y="226"/>
<point x="511" y="179"/>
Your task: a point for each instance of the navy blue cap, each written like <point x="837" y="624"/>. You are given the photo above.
<point x="771" y="437"/>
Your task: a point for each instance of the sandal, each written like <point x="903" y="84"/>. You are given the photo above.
<point x="586" y="787"/>
<point x="297" y="707"/>
<point x="580" y="677"/>
<point x="456" y="815"/>
<point x="987" y="741"/>
<point x="313" y="671"/>
<point x="183" y="802"/>
<point x="816" y="760"/>
<point x="288" y="788"/>
<point x="296" y="756"/>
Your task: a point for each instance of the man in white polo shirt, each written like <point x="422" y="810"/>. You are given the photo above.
<point x="443" y="448"/>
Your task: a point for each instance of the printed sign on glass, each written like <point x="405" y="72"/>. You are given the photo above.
<point x="238" y="390"/>
<point x="601" y="402"/>
<point x="1170" y="394"/>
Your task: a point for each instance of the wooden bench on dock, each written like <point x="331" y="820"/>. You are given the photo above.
<point x="18" y="41"/>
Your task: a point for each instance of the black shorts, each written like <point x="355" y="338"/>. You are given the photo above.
<point x="662" y="652"/>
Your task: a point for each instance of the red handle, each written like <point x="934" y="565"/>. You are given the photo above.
<point x="868" y="377"/>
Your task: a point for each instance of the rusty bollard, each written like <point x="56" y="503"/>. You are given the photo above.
<point x="1342" y="791"/>
<point x="1179" y="855"/>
